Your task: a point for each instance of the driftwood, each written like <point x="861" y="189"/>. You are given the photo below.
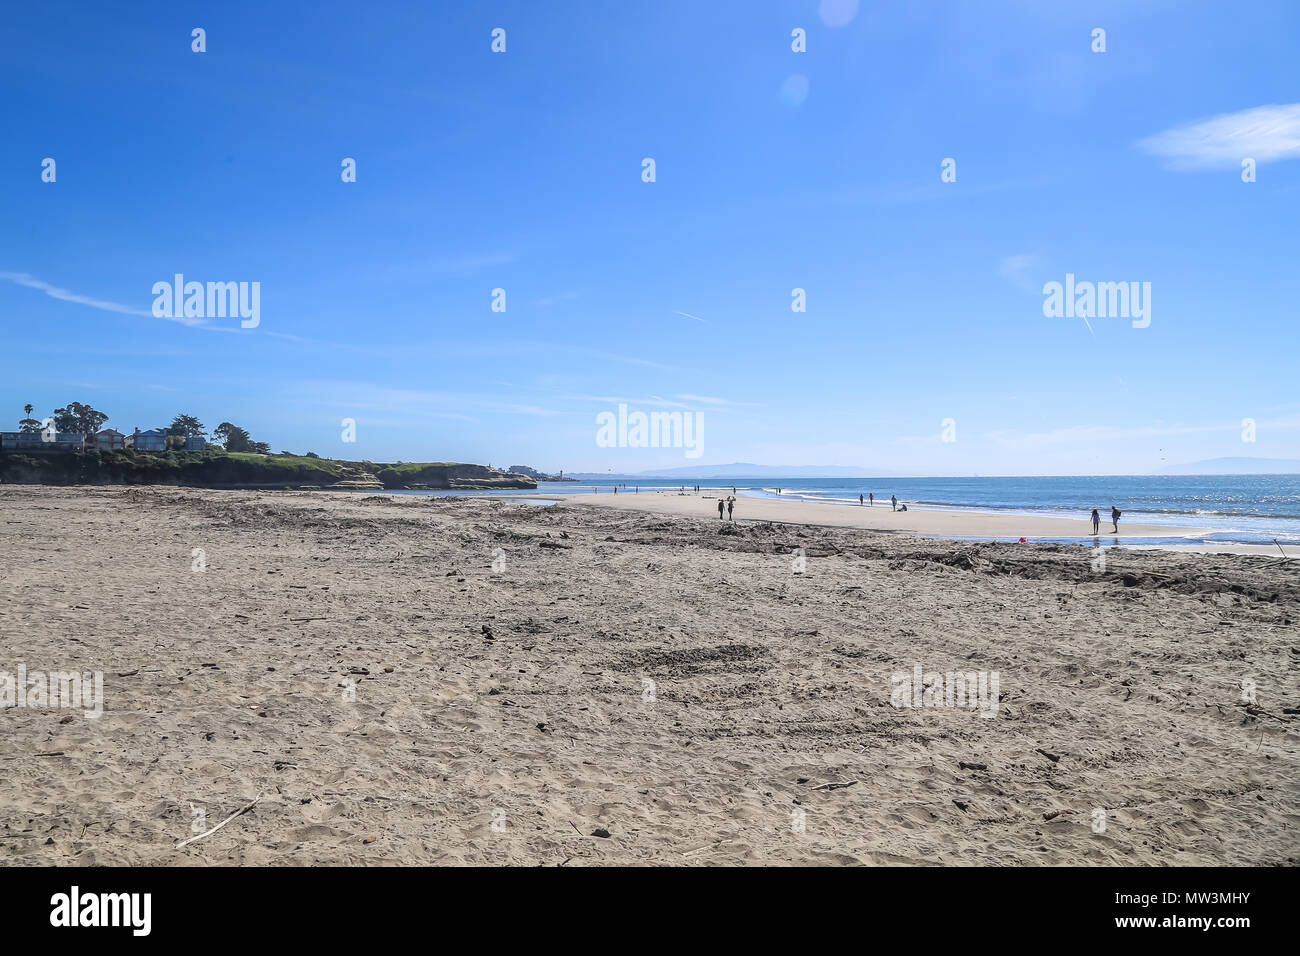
<point x="1256" y="711"/>
<point x="835" y="785"/>
<point x="240" y="812"/>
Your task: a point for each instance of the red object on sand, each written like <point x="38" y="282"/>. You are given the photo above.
<point x="1023" y="541"/>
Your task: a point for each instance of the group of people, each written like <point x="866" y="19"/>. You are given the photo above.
<point x="870" y="502"/>
<point x="1114" y="520"/>
<point x="728" y="504"/>
<point x="727" y="507"/>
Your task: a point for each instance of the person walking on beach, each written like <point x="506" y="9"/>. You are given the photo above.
<point x="731" y="503"/>
<point x="1096" y="522"/>
<point x="893" y="502"/>
<point x="859" y="501"/>
<point x="871" y="498"/>
<point x="1114" y="519"/>
<point x="719" y="509"/>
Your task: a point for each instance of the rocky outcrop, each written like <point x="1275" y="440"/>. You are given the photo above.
<point x="534" y="474"/>
<point x="449" y="476"/>
<point x="356" y="478"/>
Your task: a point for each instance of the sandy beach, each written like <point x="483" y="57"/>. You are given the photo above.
<point x="411" y="680"/>
<point x="930" y="521"/>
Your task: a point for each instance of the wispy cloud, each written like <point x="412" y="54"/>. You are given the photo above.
<point x="442" y="266"/>
<point x="711" y="400"/>
<point x="1015" y="269"/>
<point x="1080" y="434"/>
<point x="654" y="400"/>
<point x="63" y="295"/>
<point x="360" y="396"/>
<point x="677" y="401"/>
<point x="547" y="301"/>
<point x="1264" y="134"/>
<point x="498" y="349"/>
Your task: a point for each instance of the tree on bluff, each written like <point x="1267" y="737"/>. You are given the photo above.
<point x="234" y="438"/>
<point x="29" y="425"/>
<point x="78" y="419"/>
<point x="187" y="426"/>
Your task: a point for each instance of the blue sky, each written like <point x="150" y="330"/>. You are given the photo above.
<point x="775" y="170"/>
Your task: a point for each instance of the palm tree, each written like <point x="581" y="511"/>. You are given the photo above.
<point x="29" y="424"/>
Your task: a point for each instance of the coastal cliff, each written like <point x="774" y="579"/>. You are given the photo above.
<point x="219" y="469"/>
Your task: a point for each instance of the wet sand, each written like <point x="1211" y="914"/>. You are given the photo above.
<point x="408" y="680"/>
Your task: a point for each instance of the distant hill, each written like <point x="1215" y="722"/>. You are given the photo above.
<point x="750" y="470"/>
<point x="1236" y="466"/>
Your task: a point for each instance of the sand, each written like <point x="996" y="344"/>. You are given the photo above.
<point x="504" y="716"/>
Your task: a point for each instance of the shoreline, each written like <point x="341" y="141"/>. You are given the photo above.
<point x="929" y="521"/>
<point x="1040" y="511"/>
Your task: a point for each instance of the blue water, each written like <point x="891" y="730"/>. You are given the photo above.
<point x="1248" y="509"/>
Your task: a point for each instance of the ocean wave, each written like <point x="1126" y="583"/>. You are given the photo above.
<point x="1219" y="520"/>
<point x="1131" y="509"/>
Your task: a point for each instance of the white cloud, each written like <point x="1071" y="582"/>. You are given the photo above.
<point x="1264" y="134"/>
